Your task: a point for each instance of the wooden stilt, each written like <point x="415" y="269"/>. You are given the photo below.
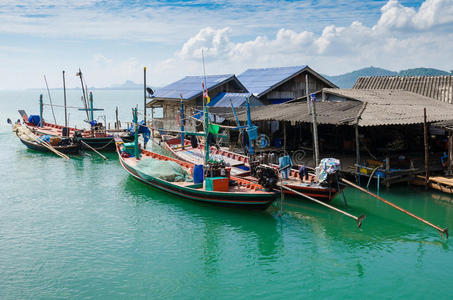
<point x="425" y="135"/>
<point x="450" y="153"/>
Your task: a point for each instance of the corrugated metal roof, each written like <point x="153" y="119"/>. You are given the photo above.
<point x="336" y="113"/>
<point x="259" y="81"/>
<point x="190" y="86"/>
<point x="448" y="125"/>
<point x="225" y="99"/>
<point x="395" y="107"/>
<point x="437" y="87"/>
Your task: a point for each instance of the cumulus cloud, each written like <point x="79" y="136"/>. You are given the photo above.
<point x="214" y="42"/>
<point x="403" y="37"/>
<point x="399" y="37"/>
<point x="430" y="14"/>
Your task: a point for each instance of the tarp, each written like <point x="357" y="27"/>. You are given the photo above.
<point x="143" y="129"/>
<point x="34" y="119"/>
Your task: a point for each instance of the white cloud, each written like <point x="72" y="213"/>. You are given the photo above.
<point x="402" y="38"/>
<point x="214" y="42"/>
<point x="234" y="37"/>
<point x="431" y="13"/>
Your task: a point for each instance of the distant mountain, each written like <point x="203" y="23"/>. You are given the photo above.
<point x="347" y="80"/>
<point x="127" y="85"/>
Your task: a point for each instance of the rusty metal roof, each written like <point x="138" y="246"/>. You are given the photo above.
<point x="334" y="113"/>
<point x="437" y="87"/>
<point x="394" y="107"/>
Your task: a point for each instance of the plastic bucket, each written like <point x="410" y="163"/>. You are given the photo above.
<point x="198" y="174"/>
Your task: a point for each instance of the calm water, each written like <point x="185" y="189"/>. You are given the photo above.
<point x="85" y="229"/>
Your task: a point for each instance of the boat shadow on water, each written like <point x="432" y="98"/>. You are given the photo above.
<point x="261" y="226"/>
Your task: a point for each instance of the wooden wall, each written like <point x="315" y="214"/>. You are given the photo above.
<point x="294" y="88"/>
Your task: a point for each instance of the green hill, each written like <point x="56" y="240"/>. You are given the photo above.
<point x="423" y="72"/>
<point x="347" y="80"/>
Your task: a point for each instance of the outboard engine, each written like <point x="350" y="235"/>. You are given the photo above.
<point x="267" y="177"/>
<point x="77" y="136"/>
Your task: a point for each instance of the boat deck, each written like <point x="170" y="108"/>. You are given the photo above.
<point x="192" y="155"/>
<point x="240" y="188"/>
<point x="196" y="156"/>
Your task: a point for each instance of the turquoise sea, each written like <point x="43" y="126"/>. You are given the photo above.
<point x="85" y="229"/>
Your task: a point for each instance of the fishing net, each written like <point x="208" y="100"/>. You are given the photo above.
<point x="23" y="132"/>
<point x="166" y="170"/>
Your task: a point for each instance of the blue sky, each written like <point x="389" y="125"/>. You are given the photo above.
<point x="112" y="40"/>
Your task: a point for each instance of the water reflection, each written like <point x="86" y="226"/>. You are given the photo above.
<point x="220" y="226"/>
<point x="381" y="226"/>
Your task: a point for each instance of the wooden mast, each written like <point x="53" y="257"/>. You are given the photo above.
<point x="85" y="102"/>
<point x="144" y="95"/>
<point x="64" y="97"/>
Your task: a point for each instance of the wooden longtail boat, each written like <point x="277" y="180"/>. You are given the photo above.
<point x="72" y="148"/>
<point x="244" y="193"/>
<point x="99" y="140"/>
<point x="240" y="167"/>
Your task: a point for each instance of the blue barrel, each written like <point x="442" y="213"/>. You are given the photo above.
<point x="198" y="174"/>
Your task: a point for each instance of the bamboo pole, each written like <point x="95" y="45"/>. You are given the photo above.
<point x="95" y="151"/>
<point x="359" y="219"/>
<point x="445" y="230"/>
<point x="47" y="145"/>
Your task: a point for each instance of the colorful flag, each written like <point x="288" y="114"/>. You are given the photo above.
<point x="205" y="94"/>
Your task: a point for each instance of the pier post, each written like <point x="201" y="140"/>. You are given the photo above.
<point x="357" y="149"/>
<point x="315" y="129"/>
<point x="284" y="137"/>
<point x="425" y="135"/>
<point x="307" y="93"/>
<point x="450" y="152"/>
<point x="387" y="172"/>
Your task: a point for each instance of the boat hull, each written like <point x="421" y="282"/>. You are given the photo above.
<point x="70" y="149"/>
<point x="104" y="143"/>
<point x="322" y="193"/>
<point x="255" y="201"/>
